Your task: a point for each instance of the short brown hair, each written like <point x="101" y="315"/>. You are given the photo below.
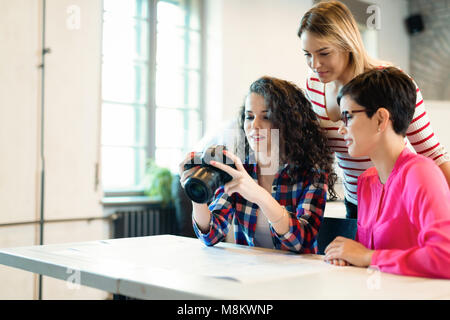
<point x="388" y="88"/>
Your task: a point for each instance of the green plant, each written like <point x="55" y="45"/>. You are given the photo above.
<point x="158" y="181"/>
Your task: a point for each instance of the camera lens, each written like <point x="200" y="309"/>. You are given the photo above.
<point x="198" y="190"/>
<point x="200" y="187"/>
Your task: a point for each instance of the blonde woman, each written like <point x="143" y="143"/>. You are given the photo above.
<point x="335" y="53"/>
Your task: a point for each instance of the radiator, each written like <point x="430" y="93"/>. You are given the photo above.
<point x="143" y="221"/>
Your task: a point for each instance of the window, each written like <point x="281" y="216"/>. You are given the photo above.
<point x="151" y="87"/>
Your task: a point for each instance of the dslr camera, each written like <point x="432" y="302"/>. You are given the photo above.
<point x="202" y="184"/>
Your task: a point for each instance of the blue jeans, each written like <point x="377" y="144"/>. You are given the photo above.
<point x="352" y="210"/>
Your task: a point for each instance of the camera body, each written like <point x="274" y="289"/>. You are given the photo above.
<point x="202" y="184"/>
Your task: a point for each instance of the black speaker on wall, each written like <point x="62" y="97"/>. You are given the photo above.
<point x="414" y="23"/>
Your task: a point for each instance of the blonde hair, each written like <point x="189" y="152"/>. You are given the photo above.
<point x="333" y="22"/>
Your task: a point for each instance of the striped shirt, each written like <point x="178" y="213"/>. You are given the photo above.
<point x="303" y="200"/>
<point x="419" y="134"/>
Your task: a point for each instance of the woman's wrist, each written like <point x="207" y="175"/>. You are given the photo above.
<point x="369" y="256"/>
<point x="202" y="216"/>
<point x="261" y="196"/>
<point x="279" y="219"/>
<point x="275" y="213"/>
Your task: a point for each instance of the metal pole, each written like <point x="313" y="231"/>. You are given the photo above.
<point x="41" y="219"/>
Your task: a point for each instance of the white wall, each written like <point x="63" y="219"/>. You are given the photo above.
<point x="72" y="134"/>
<point x="72" y="110"/>
<point x="393" y="38"/>
<point x="439" y="113"/>
<point x="19" y="128"/>
<point x="246" y="40"/>
<point x="19" y="116"/>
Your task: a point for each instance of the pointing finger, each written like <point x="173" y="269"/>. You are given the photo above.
<point x="232" y="172"/>
<point x="237" y="161"/>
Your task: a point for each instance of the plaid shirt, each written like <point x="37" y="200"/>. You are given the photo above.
<point x="304" y="202"/>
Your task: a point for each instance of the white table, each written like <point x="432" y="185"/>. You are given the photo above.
<point x="172" y="267"/>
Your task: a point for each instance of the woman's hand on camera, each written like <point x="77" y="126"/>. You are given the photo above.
<point x="185" y="174"/>
<point x="242" y="182"/>
<point x="201" y="213"/>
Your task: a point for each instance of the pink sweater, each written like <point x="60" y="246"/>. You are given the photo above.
<point x="407" y="220"/>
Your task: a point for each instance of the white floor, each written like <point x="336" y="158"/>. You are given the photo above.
<point x="335" y="209"/>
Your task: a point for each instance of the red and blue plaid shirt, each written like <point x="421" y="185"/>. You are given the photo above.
<point x="303" y="200"/>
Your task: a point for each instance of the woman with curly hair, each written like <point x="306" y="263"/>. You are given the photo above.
<point x="281" y="208"/>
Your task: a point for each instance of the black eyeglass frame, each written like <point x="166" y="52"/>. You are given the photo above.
<point x="345" y="118"/>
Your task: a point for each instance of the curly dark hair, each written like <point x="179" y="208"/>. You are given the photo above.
<point x="303" y="144"/>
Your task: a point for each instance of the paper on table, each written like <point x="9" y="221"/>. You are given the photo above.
<point x="190" y="256"/>
<point x="256" y="266"/>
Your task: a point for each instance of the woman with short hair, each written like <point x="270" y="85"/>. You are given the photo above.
<point x="335" y="53"/>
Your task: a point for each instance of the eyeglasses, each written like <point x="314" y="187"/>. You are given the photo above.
<point x="345" y="115"/>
